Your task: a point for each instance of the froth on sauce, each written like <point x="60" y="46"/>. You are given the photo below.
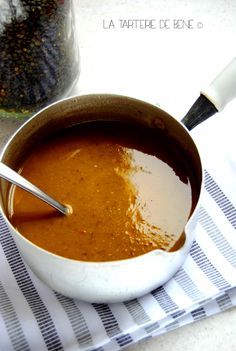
<point x="128" y="186"/>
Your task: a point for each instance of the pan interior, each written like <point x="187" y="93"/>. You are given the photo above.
<point x="129" y="187"/>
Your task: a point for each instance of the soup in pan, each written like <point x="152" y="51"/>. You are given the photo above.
<point x="129" y="187"/>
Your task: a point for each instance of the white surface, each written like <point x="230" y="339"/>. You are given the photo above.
<point x="164" y="66"/>
<point x="211" y="334"/>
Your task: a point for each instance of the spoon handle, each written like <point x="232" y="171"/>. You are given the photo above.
<point x="15" y="178"/>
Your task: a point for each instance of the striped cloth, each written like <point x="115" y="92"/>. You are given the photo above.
<point x="33" y="317"/>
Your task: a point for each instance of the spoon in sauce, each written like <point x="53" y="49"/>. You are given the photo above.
<point x="15" y="178"/>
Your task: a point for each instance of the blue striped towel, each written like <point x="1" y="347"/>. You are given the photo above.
<point x="33" y="317"/>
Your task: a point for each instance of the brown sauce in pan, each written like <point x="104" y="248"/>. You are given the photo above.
<point x="128" y="186"/>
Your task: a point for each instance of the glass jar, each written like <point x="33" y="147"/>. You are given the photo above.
<point x="39" y="55"/>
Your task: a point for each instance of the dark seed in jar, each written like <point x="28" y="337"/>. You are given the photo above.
<point x="38" y="54"/>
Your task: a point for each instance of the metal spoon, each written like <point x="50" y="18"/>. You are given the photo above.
<point x="15" y="178"/>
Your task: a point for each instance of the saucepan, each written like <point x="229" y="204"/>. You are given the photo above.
<point x="120" y="280"/>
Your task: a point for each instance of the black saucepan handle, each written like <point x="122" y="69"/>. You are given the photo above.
<point x="214" y="98"/>
<point x="199" y="112"/>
